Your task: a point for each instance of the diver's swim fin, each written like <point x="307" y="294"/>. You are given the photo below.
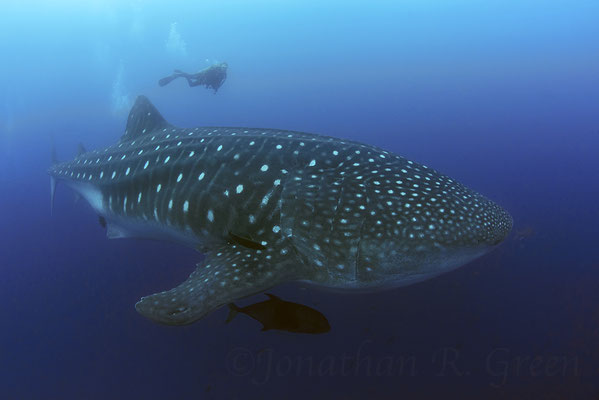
<point x="167" y="80"/>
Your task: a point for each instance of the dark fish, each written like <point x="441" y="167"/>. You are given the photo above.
<point x="281" y="315"/>
<point x="245" y="242"/>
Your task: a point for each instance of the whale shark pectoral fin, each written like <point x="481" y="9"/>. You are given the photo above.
<point x="228" y="274"/>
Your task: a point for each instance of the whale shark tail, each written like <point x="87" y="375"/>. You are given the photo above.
<point x="54" y="160"/>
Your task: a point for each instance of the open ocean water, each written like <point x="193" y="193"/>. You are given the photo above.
<point x="501" y="95"/>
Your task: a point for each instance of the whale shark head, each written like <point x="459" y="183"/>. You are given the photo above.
<point x="445" y="226"/>
<point x="377" y="220"/>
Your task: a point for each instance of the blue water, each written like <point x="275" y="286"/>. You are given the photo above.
<point x="501" y="95"/>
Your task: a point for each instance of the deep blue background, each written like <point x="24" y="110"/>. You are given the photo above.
<point x="501" y="95"/>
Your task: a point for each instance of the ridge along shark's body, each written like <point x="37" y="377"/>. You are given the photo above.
<point x="269" y="206"/>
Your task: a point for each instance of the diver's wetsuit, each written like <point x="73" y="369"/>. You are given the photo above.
<point x="211" y="77"/>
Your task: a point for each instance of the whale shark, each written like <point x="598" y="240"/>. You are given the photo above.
<point x="270" y="206"/>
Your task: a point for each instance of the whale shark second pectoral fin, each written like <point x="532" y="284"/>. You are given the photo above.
<point x="228" y="273"/>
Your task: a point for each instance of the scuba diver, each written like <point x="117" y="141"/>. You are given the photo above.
<point x="211" y="77"/>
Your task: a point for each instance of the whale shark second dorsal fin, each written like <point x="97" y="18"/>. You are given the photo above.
<point x="143" y="119"/>
<point x="81" y="149"/>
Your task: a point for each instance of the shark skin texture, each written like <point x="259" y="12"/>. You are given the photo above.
<point x="271" y="206"/>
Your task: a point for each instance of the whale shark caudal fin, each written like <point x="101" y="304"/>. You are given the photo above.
<point x="54" y="160"/>
<point x="52" y="192"/>
<point x="143" y="118"/>
<point x="228" y="273"/>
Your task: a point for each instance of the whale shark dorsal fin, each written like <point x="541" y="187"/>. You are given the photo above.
<point x="81" y="149"/>
<point x="143" y="119"/>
